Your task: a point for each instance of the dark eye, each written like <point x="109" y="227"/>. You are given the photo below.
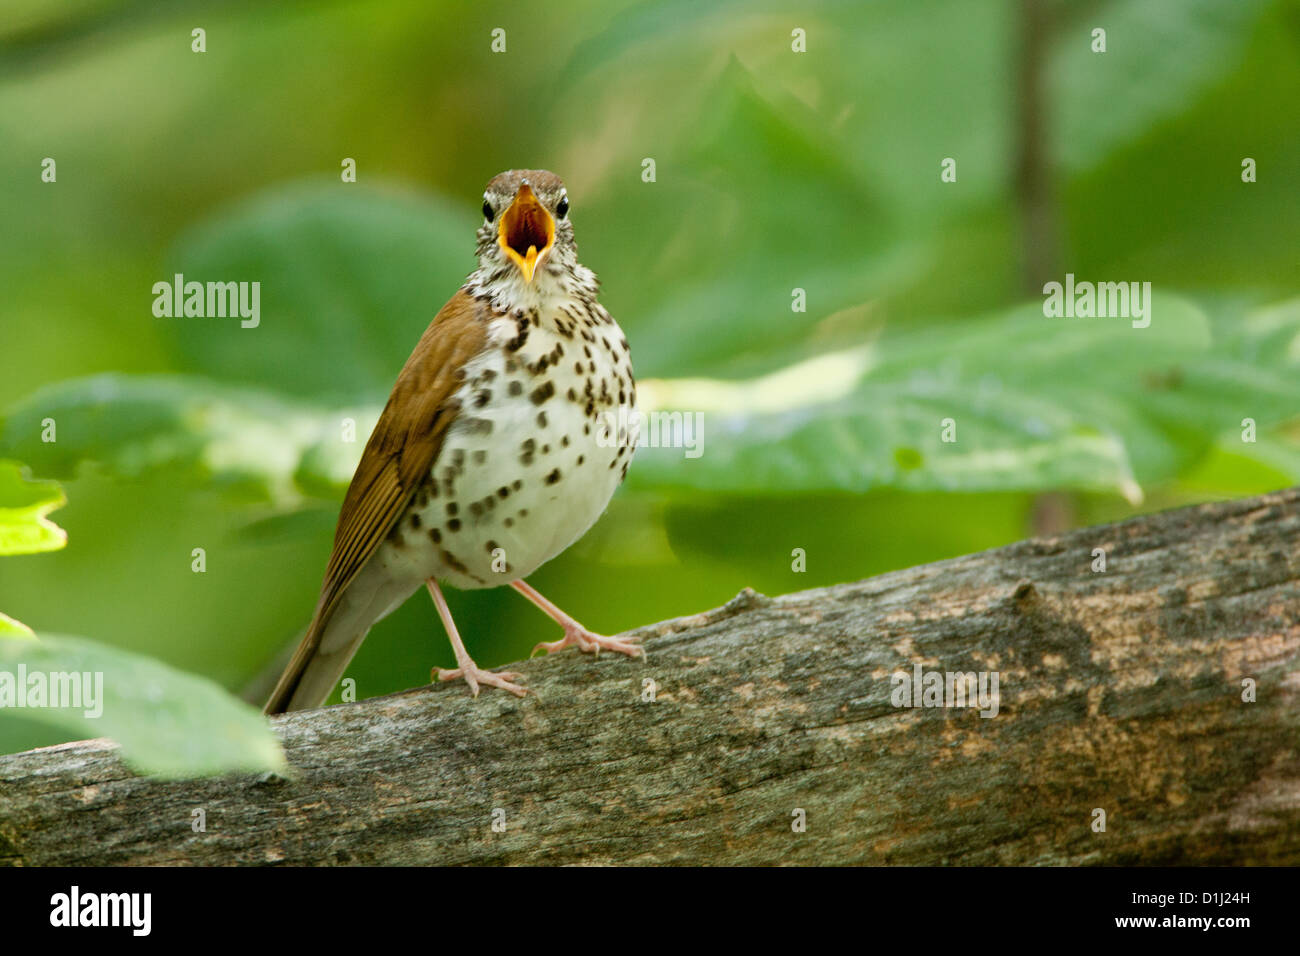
<point x="487" y="210"/>
<point x="562" y="209"/>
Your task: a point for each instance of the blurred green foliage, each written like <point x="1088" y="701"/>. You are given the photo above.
<point x="24" y="507"/>
<point x="775" y="171"/>
<point x="25" y="527"/>
<point x="166" y="722"/>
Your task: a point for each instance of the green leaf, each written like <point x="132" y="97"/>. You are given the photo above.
<point x="740" y="248"/>
<point x="350" y="277"/>
<point x="1160" y="54"/>
<point x="248" y="442"/>
<point x="878" y="434"/>
<point x="168" y="723"/>
<point x="1039" y="403"/>
<point x="919" y="80"/>
<point x="15" y="630"/>
<point x="24" y="503"/>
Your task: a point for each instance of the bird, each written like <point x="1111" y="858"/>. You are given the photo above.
<point x="507" y="432"/>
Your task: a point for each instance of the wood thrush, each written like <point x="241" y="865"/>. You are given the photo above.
<point x="495" y="452"/>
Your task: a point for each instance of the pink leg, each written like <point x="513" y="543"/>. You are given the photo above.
<point x="574" y="633"/>
<point x="468" y="669"/>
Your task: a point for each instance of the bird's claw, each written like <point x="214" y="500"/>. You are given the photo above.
<point x="474" y="676"/>
<point x="590" y="643"/>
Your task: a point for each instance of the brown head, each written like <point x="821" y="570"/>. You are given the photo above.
<point x="526" y="225"/>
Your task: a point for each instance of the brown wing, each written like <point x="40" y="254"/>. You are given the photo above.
<point x="397" y="458"/>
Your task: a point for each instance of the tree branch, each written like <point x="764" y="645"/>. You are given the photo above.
<point x="1118" y="690"/>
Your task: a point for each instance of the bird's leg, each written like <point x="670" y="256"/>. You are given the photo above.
<point x="472" y="673"/>
<point x="574" y="633"/>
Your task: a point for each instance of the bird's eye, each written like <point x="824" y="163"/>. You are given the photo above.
<point x="487" y="210"/>
<point x="562" y="209"/>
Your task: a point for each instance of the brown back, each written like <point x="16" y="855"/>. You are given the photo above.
<point x="396" y="460"/>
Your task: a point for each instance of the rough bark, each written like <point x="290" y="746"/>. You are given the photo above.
<point x="1120" y="690"/>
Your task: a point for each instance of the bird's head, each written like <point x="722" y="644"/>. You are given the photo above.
<point x="526" y="228"/>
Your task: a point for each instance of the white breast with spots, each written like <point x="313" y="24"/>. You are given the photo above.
<point x="535" y="453"/>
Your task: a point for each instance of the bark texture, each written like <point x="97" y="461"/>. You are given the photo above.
<point x="1119" y="691"/>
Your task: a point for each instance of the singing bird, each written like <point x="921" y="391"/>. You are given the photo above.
<point x="509" y="429"/>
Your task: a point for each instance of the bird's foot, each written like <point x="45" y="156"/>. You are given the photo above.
<point x="474" y="676"/>
<point x="590" y="643"/>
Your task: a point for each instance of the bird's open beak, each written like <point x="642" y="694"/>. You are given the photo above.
<point x="526" y="232"/>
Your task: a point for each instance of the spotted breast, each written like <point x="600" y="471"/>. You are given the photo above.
<point x="539" y="446"/>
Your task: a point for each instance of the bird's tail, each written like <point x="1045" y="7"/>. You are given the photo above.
<point x="316" y="666"/>
<point x="333" y="637"/>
